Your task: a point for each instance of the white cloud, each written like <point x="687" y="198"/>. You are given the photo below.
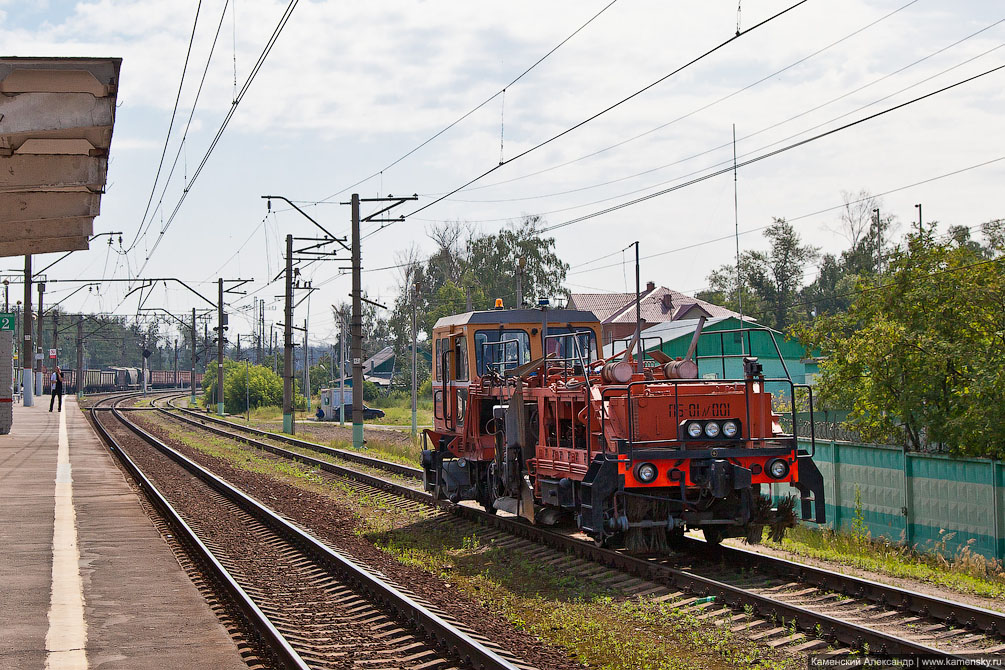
<point x="351" y="86"/>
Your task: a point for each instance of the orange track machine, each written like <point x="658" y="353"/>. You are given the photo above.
<point x="528" y="418"/>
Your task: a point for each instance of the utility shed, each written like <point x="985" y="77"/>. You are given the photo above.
<point x="56" y="119"/>
<point x="673" y="339"/>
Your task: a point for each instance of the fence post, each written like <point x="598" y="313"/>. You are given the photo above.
<point x="908" y="536"/>
<point x="836" y="461"/>
<point x="994" y="508"/>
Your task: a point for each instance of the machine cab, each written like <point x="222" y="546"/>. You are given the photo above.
<point x="480" y="348"/>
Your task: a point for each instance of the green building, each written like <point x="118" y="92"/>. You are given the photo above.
<point x="772" y="349"/>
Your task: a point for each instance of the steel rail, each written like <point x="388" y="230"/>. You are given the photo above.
<point x="275" y="642"/>
<point x="985" y="620"/>
<point x="352" y="456"/>
<point x="451" y="639"/>
<point x="977" y="618"/>
<point x="734" y="597"/>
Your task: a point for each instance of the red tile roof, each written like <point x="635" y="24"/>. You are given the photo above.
<point x="658" y="305"/>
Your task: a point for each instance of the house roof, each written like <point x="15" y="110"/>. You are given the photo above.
<point x="378" y="359"/>
<point x="503" y="316"/>
<point x="657" y="305"/>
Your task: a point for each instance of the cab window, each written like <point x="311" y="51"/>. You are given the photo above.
<point x="438" y="359"/>
<point x="564" y="346"/>
<point x="461" y="358"/>
<point x="501" y="350"/>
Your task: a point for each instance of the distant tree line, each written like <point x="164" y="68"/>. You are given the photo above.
<point x="468" y="270"/>
<point x="911" y="327"/>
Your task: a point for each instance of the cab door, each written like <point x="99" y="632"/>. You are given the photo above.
<point x="450" y="388"/>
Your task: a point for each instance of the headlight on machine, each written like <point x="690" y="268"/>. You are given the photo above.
<point x="694" y="429"/>
<point x="646" y="473"/>
<point x="712" y="429"/>
<point x="729" y="429"/>
<point x="777" y="468"/>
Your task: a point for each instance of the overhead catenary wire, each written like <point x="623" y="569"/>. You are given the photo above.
<point x="223" y="126"/>
<point x="474" y="109"/>
<point x="167" y="138"/>
<point x="702" y="108"/>
<point x="609" y="108"/>
<point x="184" y="137"/>
<point x="769" y="154"/>
<point x="789" y="219"/>
<point x="758" y="132"/>
<point x="705" y="242"/>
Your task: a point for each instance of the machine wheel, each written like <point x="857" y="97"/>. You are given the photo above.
<point x="610" y="541"/>
<point x="713" y="535"/>
<point x="675" y="539"/>
<point x="432" y="487"/>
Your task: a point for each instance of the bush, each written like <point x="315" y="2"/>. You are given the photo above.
<point x="371" y="392"/>
<point x="265" y="387"/>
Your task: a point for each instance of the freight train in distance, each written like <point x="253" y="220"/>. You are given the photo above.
<point x="122" y="379"/>
<point x="530" y="419"/>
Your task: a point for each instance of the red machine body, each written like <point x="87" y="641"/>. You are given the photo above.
<point x="529" y="419"/>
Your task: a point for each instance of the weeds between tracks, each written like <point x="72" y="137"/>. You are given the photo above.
<point x="591" y="622"/>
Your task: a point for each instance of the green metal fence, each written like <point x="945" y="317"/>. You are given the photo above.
<point x="915" y="498"/>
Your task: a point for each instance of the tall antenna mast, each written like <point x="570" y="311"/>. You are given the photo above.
<point x="736" y="224"/>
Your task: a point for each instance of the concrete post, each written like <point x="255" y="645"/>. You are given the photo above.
<point x="28" y="346"/>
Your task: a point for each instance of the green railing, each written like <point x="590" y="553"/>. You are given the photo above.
<point x="914" y="498"/>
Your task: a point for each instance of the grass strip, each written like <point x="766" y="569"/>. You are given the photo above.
<point x="598" y="626"/>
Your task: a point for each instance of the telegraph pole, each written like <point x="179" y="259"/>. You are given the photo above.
<point x="288" y="342"/>
<point x="879" y="241"/>
<point x="219" y="350"/>
<point x="192" y="378"/>
<point x="261" y="331"/>
<point x="80" y="376"/>
<point x="356" y="331"/>
<point x="55" y="338"/>
<point x="521" y="264"/>
<point x="176" y="362"/>
<point x="28" y="348"/>
<point x="356" y="322"/>
<point x="307" y="369"/>
<point x="921" y="228"/>
<point x="341" y="369"/>
<point x="638" y="313"/>
<point x="415" y="300"/>
<point x="315" y="252"/>
<point x="41" y="340"/>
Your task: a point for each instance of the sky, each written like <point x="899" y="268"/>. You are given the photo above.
<point x="350" y="88"/>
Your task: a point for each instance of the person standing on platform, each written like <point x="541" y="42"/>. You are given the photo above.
<point x="56" y="386"/>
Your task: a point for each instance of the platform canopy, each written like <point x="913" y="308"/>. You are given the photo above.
<point x="56" y="118"/>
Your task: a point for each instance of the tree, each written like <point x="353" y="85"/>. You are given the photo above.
<point x="494" y="261"/>
<point x="779" y="278"/>
<point x="770" y="281"/>
<point x="868" y="238"/>
<point x="242" y="383"/>
<point x="722" y="287"/>
<point x="469" y="270"/>
<point x="920" y="354"/>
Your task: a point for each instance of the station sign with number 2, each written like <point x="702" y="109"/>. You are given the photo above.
<point x="6" y="321"/>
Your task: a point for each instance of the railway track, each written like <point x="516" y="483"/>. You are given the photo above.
<point x="299" y="603"/>
<point x="815" y="604"/>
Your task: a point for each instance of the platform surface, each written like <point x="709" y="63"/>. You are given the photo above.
<point x="105" y="591"/>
